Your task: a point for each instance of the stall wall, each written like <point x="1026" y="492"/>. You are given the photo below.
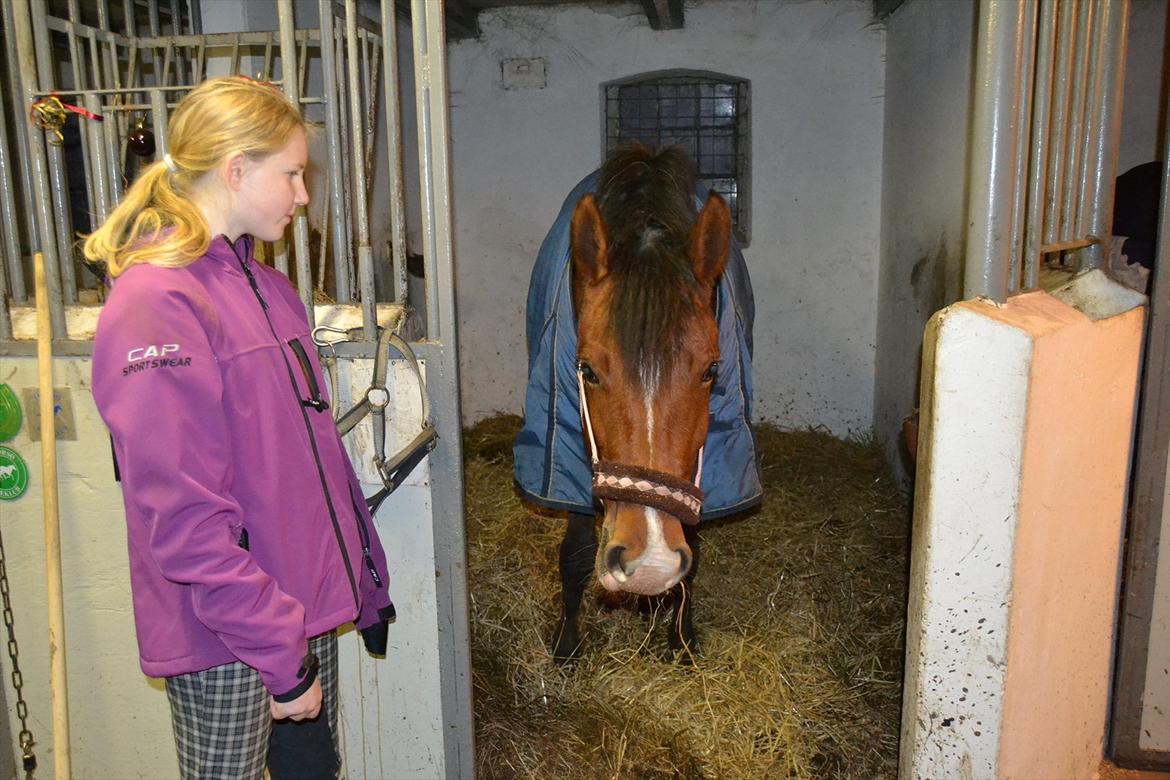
<point x="816" y="71"/>
<point x="924" y="175"/>
<point x="1028" y="413"/>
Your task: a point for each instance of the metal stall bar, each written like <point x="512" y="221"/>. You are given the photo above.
<point x="365" y="255"/>
<point x="441" y="354"/>
<point x="1074" y="166"/>
<point x="11" y="268"/>
<point x="994" y="153"/>
<point x="394" y="151"/>
<point x="39" y="174"/>
<point x="1026" y="77"/>
<point x="75" y="60"/>
<point x="21" y="137"/>
<point x="1097" y="204"/>
<point x="343" y="145"/>
<point x="58" y="184"/>
<point x="101" y="204"/>
<point x="1037" y="174"/>
<point x="1067" y="12"/>
<point x="337" y="214"/>
<point x="158" y="117"/>
<point x="290" y="82"/>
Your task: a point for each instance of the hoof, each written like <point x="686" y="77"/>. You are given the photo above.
<point x="566" y="646"/>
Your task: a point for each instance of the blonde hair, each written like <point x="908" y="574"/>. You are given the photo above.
<point x="157" y="222"/>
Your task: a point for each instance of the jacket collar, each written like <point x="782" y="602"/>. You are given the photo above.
<point x="225" y="251"/>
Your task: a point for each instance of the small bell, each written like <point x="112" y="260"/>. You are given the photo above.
<point x="141" y="139"/>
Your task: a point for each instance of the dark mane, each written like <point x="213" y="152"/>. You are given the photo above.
<point x="647" y="200"/>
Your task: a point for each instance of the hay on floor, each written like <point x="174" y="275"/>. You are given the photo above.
<point x="799" y="610"/>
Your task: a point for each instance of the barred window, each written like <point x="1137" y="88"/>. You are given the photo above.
<point x="707" y="114"/>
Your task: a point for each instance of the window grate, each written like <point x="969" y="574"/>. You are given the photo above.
<point x="707" y="116"/>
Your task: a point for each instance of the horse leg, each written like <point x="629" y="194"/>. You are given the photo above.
<point x="681" y="634"/>
<point x="577" y="555"/>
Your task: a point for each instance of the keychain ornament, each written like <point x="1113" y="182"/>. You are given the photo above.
<point x="141" y="139"/>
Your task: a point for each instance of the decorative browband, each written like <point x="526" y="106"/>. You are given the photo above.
<point x="657" y="489"/>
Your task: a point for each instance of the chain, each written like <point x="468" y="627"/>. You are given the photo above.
<point x="28" y="757"/>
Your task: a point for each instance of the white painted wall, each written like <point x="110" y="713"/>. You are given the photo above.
<point x="1143" y="117"/>
<point x="928" y="108"/>
<point x="816" y="70"/>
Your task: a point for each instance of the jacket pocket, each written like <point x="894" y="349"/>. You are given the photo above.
<point x="314" y="401"/>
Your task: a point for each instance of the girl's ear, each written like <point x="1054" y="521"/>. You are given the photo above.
<point x="234" y="168"/>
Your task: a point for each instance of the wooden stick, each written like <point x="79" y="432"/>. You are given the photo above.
<point x="58" y="679"/>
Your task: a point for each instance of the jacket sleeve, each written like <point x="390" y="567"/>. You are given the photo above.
<point x="157" y="384"/>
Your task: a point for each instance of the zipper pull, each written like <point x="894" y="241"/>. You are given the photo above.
<point x="370" y="565"/>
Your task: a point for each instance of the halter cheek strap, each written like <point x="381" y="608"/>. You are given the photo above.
<point x="638" y="485"/>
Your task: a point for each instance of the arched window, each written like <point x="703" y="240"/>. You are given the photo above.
<point x="707" y="114"/>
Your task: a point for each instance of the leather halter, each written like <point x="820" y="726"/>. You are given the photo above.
<point x="639" y="485"/>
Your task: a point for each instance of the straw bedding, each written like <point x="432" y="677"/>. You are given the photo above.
<point x="799" y="610"/>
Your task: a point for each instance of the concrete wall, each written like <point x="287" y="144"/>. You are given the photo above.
<point x="1155" y="726"/>
<point x="924" y="174"/>
<point x="816" y="70"/>
<point x="1028" y="411"/>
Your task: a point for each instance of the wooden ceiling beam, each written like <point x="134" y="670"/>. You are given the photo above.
<point x="664" y="14"/>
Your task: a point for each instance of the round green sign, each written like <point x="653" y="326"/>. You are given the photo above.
<point x="10" y="416"/>
<point x="13" y="474"/>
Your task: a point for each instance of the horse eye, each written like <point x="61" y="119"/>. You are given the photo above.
<point x="711" y="372"/>
<point x="587" y="372"/>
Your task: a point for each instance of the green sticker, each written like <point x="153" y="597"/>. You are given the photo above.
<point x="10" y="416"/>
<point x="13" y="474"/>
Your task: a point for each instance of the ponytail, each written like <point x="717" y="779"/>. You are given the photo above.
<point x="153" y="223"/>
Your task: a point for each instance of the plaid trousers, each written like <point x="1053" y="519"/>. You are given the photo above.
<point x="222" y="722"/>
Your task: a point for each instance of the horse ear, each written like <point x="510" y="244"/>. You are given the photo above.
<point x="711" y="240"/>
<point x="590" y="243"/>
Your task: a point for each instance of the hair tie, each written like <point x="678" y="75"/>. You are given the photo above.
<point x="170" y="163"/>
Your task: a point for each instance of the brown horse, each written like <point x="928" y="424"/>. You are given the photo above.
<point x="644" y="273"/>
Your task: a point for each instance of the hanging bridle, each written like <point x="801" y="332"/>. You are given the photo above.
<point x="394" y="469"/>
<point x="638" y="485"/>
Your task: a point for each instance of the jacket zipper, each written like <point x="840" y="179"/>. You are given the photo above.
<point x="308" y="427"/>
<point x="364" y="533"/>
<point x="314" y="401"/>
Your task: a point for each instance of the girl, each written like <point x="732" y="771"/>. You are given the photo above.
<point x="249" y="538"/>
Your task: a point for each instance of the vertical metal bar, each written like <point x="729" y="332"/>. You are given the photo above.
<point x="196" y="16"/>
<point x="22" y="29"/>
<point x="393" y="113"/>
<point x="993" y="152"/>
<point x="1107" y="119"/>
<point x="443" y="373"/>
<point x="1038" y="172"/>
<point x="1074" y="170"/>
<point x="58" y="182"/>
<point x="365" y="256"/>
<point x="80" y="83"/>
<point x="158" y="119"/>
<point x="21" y="136"/>
<point x="131" y="21"/>
<point x="292" y="88"/>
<point x="303" y="64"/>
<point x="235" y="69"/>
<point x="100" y="205"/>
<point x="346" y="153"/>
<point x="267" y="75"/>
<point x="10" y="231"/>
<point x="103" y="10"/>
<point x="1026" y="59"/>
<point x="1058" y="160"/>
<point x="1092" y="127"/>
<point x="13" y="260"/>
<point x="333" y="136"/>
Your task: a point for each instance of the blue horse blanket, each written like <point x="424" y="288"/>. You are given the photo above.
<point x="552" y="466"/>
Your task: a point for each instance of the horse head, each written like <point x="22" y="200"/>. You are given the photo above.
<point x="645" y="268"/>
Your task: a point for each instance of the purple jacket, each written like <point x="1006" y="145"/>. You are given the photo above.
<point x="247" y="528"/>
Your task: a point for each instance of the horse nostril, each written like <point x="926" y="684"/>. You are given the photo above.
<point x="684" y="561"/>
<point x="613" y="562"/>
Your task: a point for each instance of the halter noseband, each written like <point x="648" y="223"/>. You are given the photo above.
<point x="638" y="485"/>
